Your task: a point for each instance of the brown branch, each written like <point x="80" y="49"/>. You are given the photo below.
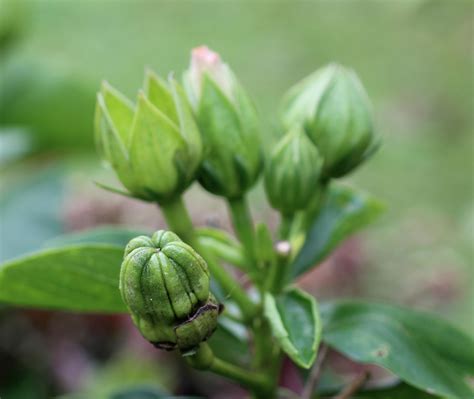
<point x="313" y="378"/>
<point x="354" y="386"/>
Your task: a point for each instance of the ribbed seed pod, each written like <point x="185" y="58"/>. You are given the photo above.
<point x="165" y="285"/>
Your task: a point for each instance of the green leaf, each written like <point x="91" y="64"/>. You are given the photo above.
<point x="422" y="350"/>
<point x="230" y="341"/>
<point x="401" y="391"/>
<point x="111" y="235"/>
<point x="77" y="278"/>
<point x="295" y="323"/>
<point x="343" y="212"/>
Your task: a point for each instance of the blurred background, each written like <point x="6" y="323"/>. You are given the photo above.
<point x="415" y="59"/>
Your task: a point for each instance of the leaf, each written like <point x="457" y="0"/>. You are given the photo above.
<point x="81" y="278"/>
<point x="230" y="341"/>
<point x="401" y="391"/>
<point x="295" y="323"/>
<point x="111" y="235"/>
<point x="343" y="212"/>
<point x="422" y="350"/>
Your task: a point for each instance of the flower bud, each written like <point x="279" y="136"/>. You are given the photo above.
<point x="165" y="285"/>
<point x="153" y="146"/>
<point x="228" y="123"/>
<point x="292" y="173"/>
<point x="333" y="107"/>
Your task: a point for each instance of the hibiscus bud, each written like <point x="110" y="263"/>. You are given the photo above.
<point x="293" y="171"/>
<point x="228" y="123"/>
<point x="333" y="108"/>
<point x="153" y="146"/>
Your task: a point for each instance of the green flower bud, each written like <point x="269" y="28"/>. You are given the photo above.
<point x="292" y="173"/>
<point x="228" y="123"/>
<point x="333" y="107"/>
<point x="165" y="285"/>
<point x="153" y="146"/>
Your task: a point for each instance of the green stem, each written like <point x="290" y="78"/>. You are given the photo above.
<point x="279" y="272"/>
<point x="302" y="221"/>
<point x="225" y="253"/>
<point x="179" y="221"/>
<point x="204" y="359"/>
<point x="243" y="226"/>
<point x="285" y="226"/>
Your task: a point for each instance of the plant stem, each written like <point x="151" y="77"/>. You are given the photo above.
<point x="243" y="226"/>
<point x="285" y="226"/>
<point x="354" y="386"/>
<point x="315" y="374"/>
<point x="279" y="272"/>
<point x="302" y="222"/>
<point x="225" y="253"/>
<point x="204" y="359"/>
<point x="179" y="221"/>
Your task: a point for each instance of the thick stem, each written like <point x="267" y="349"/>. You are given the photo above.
<point x="204" y="359"/>
<point x="243" y="226"/>
<point x="266" y="355"/>
<point x="179" y="221"/>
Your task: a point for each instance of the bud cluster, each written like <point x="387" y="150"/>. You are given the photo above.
<point x="208" y="131"/>
<point x="334" y="110"/>
<point x="331" y="114"/>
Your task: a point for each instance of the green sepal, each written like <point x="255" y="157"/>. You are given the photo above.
<point x="155" y="140"/>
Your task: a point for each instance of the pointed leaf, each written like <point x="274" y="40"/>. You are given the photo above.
<point x="81" y="278"/>
<point x="419" y="348"/>
<point x="343" y="212"/>
<point x="295" y="323"/>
